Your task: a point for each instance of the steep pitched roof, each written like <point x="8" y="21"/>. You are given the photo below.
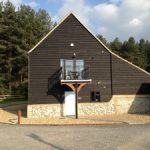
<point x="93" y="36"/>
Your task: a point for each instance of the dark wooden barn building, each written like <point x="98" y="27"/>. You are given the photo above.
<point x="71" y="72"/>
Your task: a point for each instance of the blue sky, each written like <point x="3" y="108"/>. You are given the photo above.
<point x="111" y="18"/>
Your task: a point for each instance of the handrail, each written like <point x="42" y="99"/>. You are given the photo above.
<point x="76" y="75"/>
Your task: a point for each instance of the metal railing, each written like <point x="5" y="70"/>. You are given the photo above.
<point x="76" y="75"/>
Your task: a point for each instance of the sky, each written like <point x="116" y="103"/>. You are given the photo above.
<point x="110" y="18"/>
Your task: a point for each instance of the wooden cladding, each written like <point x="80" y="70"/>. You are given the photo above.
<point x="110" y="75"/>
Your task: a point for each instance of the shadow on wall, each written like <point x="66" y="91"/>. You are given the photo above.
<point x="55" y="88"/>
<point x="141" y="102"/>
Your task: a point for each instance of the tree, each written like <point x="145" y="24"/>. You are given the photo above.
<point x="143" y="53"/>
<point x="19" y="32"/>
<point x="104" y="41"/>
<point x="43" y="24"/>
<point x="130" y="51"/>
<point x="7" y="40"/>
<point x="116" y="45"/>
<point x="32" y="26"/>
<point x="147" y="43"/>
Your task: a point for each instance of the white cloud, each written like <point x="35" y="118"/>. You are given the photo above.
<point x="102" y="30"/>
<point x="105" y="12"/>
<point x="78" y="8"/>
<point x="16" y="3"/>
<point x="114" y="18"/>
<point x="108" y="10"/>
<point x="32" y="4"/>
<point x="135" y="22"/>
<point x="117" y="18"/>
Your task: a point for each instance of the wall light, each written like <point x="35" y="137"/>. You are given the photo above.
<point x="71" y="44"/>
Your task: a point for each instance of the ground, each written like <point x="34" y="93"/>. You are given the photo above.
<point x="11" y="117"/>
<point x="96" y="137"/>
<point x="106" y="132"/>
<point x="8" y="115"/>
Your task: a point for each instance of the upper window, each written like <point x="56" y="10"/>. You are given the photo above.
<point x="72" y="68"/>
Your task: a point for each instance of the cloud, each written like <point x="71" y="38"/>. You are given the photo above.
<point x="16" y="3"/>
<point x="135" y="22"/>
<point x="106" y="12"/>
<point x="79" y="8"/>
<point x="102" y="30"/>
<point x="113" y="18"/>
<point x="33" y="4"/>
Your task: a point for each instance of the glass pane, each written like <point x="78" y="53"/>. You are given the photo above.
<point x="72" y="68"/>
<point x="69" y="68"/>
<point x="61" y="62"/>
<point x="79" y="65"/>
<point x="62" y="65"/>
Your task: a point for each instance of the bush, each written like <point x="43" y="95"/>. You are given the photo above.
<point x="23" y="88"/>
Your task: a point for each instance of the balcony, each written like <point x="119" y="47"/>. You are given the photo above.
<point x="75" y="76"/>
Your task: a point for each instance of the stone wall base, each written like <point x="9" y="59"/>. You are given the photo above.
<point x="132" y="103"/>
<point x="119" y="104"/>
<point x="44" y="110"/>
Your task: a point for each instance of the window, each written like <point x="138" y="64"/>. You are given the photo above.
<point x="72" y="68"/>
<point x="95" y="96"/>
<point x="79" y="65"/>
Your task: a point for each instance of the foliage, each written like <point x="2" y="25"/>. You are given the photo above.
<point x="104" y="41"/>
<point x="24" y="89"/>
<point x="136" y="52"/>
<point x="3" y="89"/>
<point x="20" y="30"/>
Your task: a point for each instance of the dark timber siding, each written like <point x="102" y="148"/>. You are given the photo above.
<point x="128" y="79"/>
<point x="44" y="63"/>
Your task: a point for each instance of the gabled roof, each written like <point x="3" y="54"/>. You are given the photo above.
<point x="93" y="36"/>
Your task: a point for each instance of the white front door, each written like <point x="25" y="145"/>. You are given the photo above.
<point x="69" y="103"/>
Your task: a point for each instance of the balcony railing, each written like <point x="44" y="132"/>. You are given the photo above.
<point x="76" y="75"/>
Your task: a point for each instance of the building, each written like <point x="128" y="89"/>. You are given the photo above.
<point x="71" y="72"/>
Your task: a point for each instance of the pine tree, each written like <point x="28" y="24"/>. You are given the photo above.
<point x="143" y="54"/>
<point x="116" y="45"/>
<point x="147" y="43"/>
<point x="19" y="32"/>
<point x="103" y="39"/>
<point x="130" y="51"/>
<point x="7" y="39"/>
